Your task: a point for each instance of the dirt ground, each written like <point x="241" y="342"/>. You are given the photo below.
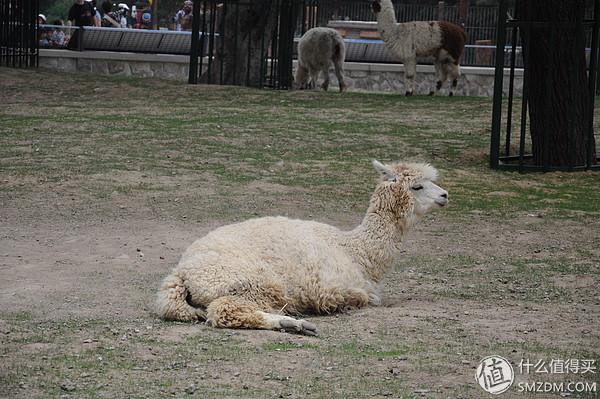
<point x="79" y="269"/>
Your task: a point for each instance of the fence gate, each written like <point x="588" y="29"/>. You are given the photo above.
<point x="18" y="33"/>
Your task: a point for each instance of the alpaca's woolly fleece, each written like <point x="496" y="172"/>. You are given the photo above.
<point x="318" y="48"/>
<point x="247" y="274"/>
<point x="443" y="40"/>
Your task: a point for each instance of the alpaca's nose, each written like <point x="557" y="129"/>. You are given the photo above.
<point x="445" y="195"/>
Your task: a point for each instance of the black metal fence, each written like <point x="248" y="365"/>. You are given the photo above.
<point x="479" y="22"/>
<point x="512" y="142"/>
<point x="243" y="42"/>
<point x="18" y="33"/>
<point x="227" y="49"/>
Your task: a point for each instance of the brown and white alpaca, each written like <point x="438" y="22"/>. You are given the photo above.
<point x="443" y="40"/>
<point x="261" y="272"/>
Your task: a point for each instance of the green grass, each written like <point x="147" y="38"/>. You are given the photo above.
<point x="322" y="140"/>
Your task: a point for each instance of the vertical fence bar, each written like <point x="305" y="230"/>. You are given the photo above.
<point x="235" y="43"/>
<point x="35" y="44"/>
<point x="579" y="43"/>
<point x="263" y="62"/>
<point x="547" y="102"/>
<point x="511" y="86"/>
<point x="275" y="46"/>
<point x="524" y="106"/>
<point x="193" y="68"/>
<point x="288" y="16"/>
<point x="498" y="83"/>
<point x="19" y="32"/>
<point x="202" y="39"/>
<point x="225" y="11"/>
<point x="592" y="84"/>
<point x="3" y="36"/>
<point x="211" y="40"/>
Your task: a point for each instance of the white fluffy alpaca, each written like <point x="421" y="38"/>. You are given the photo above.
<point x="255" y="273"/>
<point x="318" y="48"/>
<point x="443" y="40"/>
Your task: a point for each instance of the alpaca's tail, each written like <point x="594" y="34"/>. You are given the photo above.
<point x="172" y="303"/>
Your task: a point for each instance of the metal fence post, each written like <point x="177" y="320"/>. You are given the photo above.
<point x="193" y="69"/>
<point x="498" y="83"/>
<point x="593" y="83"/>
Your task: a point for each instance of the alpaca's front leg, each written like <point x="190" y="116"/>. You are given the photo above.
<point x="314" y="78"/>
<point x="325" y="84"/>
<point x="410" y="71"/>
<point x="442" y="75"/>
<point x="453" y="70"/>
<point x="340" y="299"/>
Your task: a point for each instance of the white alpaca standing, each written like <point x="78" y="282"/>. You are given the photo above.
<point x="251" y="274"/>
<point x="318" y="48"/>
<point x="443" y="40"/>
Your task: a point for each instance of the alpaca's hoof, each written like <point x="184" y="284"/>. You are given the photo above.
<point x="299" y="326"/>
<point x="432" y="93"/>
<point x="451" y="94"/>
<point x="409" y="93"/>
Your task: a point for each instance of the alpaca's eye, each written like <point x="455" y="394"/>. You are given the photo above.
<point x="417" y="187"/>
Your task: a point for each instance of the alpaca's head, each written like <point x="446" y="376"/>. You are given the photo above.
<point x="376" y="6"/>
<point x="408" y="189"/>
<point x="301" y="79"/>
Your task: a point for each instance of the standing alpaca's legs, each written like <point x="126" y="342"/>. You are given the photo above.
<point x="314" y="78"/>
<point x="325" y="73"/>
<point x="339" y="73"/>
<point x="236" y="312"/>
<point x="442" y="75"/>
<point x="453" y="71"/>
<point x="410" y="71"/>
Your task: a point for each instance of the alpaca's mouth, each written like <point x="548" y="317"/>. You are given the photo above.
<point x="441" y="202"/>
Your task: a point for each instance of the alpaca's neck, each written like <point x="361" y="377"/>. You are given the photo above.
<point x="386" y="20"/>
<point x="376" y="241"/>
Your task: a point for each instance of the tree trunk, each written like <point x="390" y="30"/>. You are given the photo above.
<point x="246" y="28"/>
<point x="559" y="103"/>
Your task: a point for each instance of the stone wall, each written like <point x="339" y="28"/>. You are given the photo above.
<point x="474" y="81"/>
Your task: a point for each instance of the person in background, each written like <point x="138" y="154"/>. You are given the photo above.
<point x="183" y="17"/>
<point x="143" y="15"/>
<point x="124" y="15"/>
<point x="97" y="13"/>
<point x="109" y="18"/>
<point x="57" y="38"/>
<point x="81" y="13"/>
<point x="43" y="33"/>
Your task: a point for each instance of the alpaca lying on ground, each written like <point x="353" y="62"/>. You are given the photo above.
<point x="317" y="49"/>
<point x="443" y="40"/>
<point x="255" y="273"/>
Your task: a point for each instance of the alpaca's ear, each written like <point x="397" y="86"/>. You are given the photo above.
<point x="386" y="172"/>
